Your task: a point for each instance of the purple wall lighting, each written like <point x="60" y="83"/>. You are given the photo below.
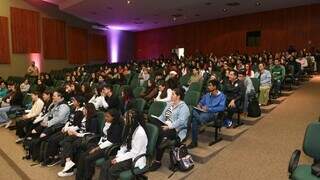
<point x="114" y="44"/>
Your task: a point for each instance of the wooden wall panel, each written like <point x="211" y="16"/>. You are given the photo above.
<point x="77" y="39"/>
<point x="97" y="47"/>
<point x="4" y="44"/>
<point x="298" y="26"/>
<point x="25" y="31"/>
<point x="54" y="38"/>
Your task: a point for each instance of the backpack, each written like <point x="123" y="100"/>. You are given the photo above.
<point x="253" y="107"/>
<point x="180" y="159"/>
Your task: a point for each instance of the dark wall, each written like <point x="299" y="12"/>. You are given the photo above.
<point x="297" y="26"/>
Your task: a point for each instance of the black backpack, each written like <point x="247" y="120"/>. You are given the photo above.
<point x="253" y="107"/>
<point x="180" y="159"/>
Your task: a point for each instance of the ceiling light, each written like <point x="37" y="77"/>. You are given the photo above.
<point x="208" y="3"/>
<point x="225" y="10"/>
<point x="197" y="15"/>
<point x="233" y="4"/>
<point x="129" y="1"/>
<point x="258" y="3"/>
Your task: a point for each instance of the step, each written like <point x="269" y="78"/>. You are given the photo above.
<point x="203" y="153"/>
<point x="279" y="100"/>
<point x="294" y="87"/>
<point x="286" y="93"/>
<point x="251" y="120"/>
<point x="164" y="172"/>
<point x="231" y="134"/>
<point x="267" y="109"/>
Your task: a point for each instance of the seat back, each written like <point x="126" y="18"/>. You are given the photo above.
<point x="152" y="133"/>
<point x="101" y="121"/>
<point x="156" y="108"/>
<point x="116" y="90"/>
<point x="311" y="143"/>
<point x="183" y="81"/>
<point x="191" y="98"/>
<point x="256" y="84"/>
<point x="138" y="90"/>
<point x="196" y="86"/>
<point x="139" y="103"/>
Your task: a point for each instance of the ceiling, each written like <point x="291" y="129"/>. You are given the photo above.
<point x="139" y="15"/>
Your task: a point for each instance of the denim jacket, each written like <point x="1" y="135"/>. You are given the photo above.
<point x="180" y="116"/>
<point x="59" y="114"/>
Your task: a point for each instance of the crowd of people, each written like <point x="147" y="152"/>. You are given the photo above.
<point x="68" y="115"/>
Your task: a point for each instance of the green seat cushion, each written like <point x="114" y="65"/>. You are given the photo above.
<point x="303" y="172"/>
<point x="100" y="161"/>
<point x="127" y="175"/>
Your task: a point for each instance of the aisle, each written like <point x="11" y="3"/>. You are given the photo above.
<point x="263" y="152"/>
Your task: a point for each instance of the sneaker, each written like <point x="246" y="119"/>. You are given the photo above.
<point x="227" y="123"/>
<point x="19" y="140"/>
<point x="68" y="166"/>
<point x="54" y="162"/>
<point x="3" y="124"/>
<point x="192" y="145"/>
<point x="8" y="124"/>
<point x="65" y="174"/>
<point x="155" y="166"/>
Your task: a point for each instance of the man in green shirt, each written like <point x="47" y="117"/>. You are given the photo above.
<point x="3" y="89"/>
<point x="277" y="73"/>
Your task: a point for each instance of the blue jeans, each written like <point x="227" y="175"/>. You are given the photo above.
<point x="199" y="117"/>
<point x="3" y="114"/>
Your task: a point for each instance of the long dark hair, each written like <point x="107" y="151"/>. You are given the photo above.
<point x="115" y="114"/>
<point x="164" y="93"/>
<point x="91" y="110"/>
<point x="133" y="119"/>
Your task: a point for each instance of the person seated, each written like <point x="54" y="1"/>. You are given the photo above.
<point x="265" y="84"/>
<point x="47" y="80"/>
<point x="57" y="115"/>
<point x="25" y="86"/>
<point x="151" y="91"/>
<point x="172" y="123"/>
<point x="99" y="101"/>
<point x="277" y="74"/>
<point x="235" y="91"/>
<point x="195" y="77"/>
<point x="71" y="143"/>
<point x="74" y="122"/>
<point x="112" y="132"/>
<point x="40" y="87"/>
<point x="126" y="99"/>
<point x="207" y="110"/>
<point x="10" y="102"/>
<point x="250" y="91"/>
<point x="24" y="123"/>
<point x="112" y="100"/>
<point x="3" y="89"/>
<point x="164" y="93"/>
<point x="134" y="145"/>
<point x="143" y="76"/>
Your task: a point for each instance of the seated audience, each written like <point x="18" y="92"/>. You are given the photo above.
<point x="277" y="74"/>
<point x="71" y="143"/>
<point x="207" y="110"/>
<point x="25" y="86"/>
<point x="24" y="123"/>
<point x="3" y="89"/>
<point x="112" y="134"/>
<point x="164" y="93"/>
<point x="250" y="91"/>
<point x="134" y="144"/>
<point x="172" y="124"/>
<point x="99" y="101"/>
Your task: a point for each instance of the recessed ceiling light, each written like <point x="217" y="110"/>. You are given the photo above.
<point x="129" y="1"/>
<point x="179" y="9"/>
<point x="174" y="18"/>
<point x="197" y="15"/>
<point x="233" y="4"/>
<point x="208" y="3"/>
<point x="258" y="3"/>
<point x="225" y="10"/>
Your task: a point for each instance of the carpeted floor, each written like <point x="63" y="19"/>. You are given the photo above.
<point x="261" y="153"/>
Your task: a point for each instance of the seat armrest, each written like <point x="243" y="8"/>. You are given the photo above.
<point x="112" y="149"/>
<point x="134" y="162"/>
<point x="294" y="161"/>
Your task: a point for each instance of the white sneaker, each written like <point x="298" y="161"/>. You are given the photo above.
<point x="68" y="166"/>
<point x="65" y="174"/>
<point x="3" y="124"/>
<point x="19" y="140"/>
<point x="8" y="124"/>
